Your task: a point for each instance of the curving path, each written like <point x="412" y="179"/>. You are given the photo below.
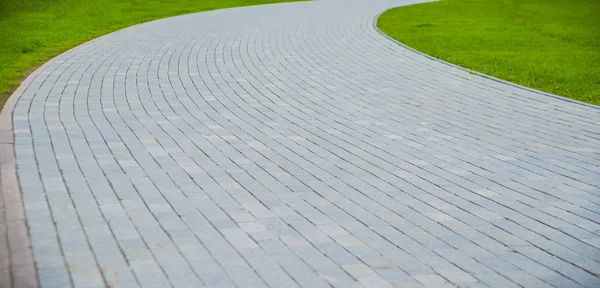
<point x="294" y="145"/>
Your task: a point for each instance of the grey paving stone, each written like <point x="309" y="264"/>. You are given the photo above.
<point x="294" y="145"/>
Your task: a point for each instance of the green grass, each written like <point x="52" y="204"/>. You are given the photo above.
<point x="33" y="31"/>
<point x="550" y="45"/>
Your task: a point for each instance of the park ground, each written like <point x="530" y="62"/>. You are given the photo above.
<point x="34" y="31"/>
<point x="549" y="45"/>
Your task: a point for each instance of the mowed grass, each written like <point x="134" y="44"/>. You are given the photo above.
<point x="550" y="45"/>
<point x="34" y="31"/>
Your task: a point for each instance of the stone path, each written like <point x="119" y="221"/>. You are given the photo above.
<point x="294" y="145"/>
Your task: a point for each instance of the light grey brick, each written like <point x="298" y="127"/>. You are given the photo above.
<point x="300" y="149"/>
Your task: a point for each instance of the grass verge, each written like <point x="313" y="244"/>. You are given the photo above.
<point x="549" y="45"/>
<point x="34" y="31"/>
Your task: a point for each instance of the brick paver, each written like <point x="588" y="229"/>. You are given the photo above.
<point x="293" y="145"/>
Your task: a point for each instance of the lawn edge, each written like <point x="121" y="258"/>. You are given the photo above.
<point x="475" y="72"/>
<point x="28" y="72"/>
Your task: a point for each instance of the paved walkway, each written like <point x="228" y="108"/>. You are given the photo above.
<point x="294" y="145"/>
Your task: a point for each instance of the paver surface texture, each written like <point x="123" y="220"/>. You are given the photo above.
<point x="294" y="145"/>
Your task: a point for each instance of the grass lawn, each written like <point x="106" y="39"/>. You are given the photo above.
<point x="33" y="31"/>
<point x="550" y="45"/>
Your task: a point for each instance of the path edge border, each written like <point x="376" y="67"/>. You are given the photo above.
<point x="472" y="72"/>
<point x="21" y="265"/>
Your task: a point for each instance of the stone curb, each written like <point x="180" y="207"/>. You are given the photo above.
<point x="21" y="265"/>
